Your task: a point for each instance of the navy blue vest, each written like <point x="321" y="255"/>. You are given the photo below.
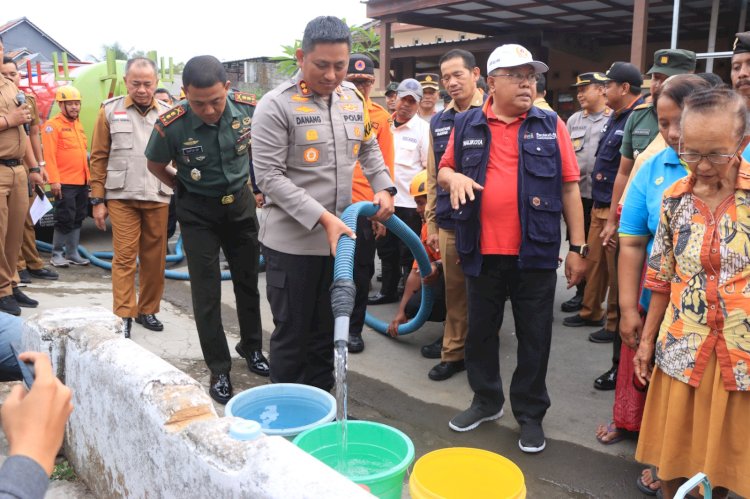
<point x="539" y="188"/>
<point x="441" y="126"/>
<point x="608" y="157"/>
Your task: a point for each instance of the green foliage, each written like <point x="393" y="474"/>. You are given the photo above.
<point x="63" y="471"/>
<point x="364" y="41"/>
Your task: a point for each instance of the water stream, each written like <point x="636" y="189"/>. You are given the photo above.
<point x="340" y="361"/>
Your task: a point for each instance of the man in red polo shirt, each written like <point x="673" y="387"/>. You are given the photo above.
<point x="511" y="172"/>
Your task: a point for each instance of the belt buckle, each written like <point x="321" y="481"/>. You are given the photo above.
<point x="228" y="199"/>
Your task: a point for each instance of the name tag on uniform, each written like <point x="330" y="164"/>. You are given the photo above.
<point x="642" y="131"/>
<point x="619" y="132"/>
<point x="473" y="143"/>
<point x="442" y="131"/>
<point x="191" y="150"/>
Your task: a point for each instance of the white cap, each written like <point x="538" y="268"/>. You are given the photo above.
<point x="512" y="55"/>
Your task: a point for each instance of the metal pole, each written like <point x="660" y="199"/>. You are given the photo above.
<point x="675" y="23"/>
<point x="712" y="35"/>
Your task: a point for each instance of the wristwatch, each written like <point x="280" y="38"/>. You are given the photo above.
<point x="35" y="169"/>
<point x="96" y="201"/>
<point x="582" y="250"/>
<point x="391" y="190"/>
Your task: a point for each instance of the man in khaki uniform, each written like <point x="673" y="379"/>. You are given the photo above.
<point x="136" y="201"/>
<point x="15" y="149"/>
<point x="29" y="263"/>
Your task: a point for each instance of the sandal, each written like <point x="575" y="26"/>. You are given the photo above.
<point x="646" y="488"/>
<point x="611" y="429"/>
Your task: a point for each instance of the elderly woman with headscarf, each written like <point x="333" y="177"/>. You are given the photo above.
<point x="697" y="410"/>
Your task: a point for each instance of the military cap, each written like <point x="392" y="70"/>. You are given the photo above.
<point x="672" y="62"/>
<point x="428" y="80"/>
<point x="624" y="72"/>
<point x="584" y="79"/>
<point x="360" y="66"/>
<point x="392" y="88"/>
<point x="741" y="43"/>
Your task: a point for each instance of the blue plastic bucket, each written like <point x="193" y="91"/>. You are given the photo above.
<point x="284" y="409"/>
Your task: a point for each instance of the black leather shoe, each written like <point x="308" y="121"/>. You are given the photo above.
<point x="445" y="370"/>
<point x="127" y="325"/>
<point x="221" y="388"/>
<point x="356" y="343"/>
<point x="573" y="305"/>
<point x="149" y="321"/>
<point x="578" y="321"/>
<point x="256" y="361"/>
<point x="9" y="305"/>
<point x="24" y="277"/>
<point x="602" y="336"/>
<point x="381" y="299"/>
<point x="23" y="300"/>
<point x="607" y="380"/>
<point x="43" y="273"/>
<point x="433" y="350"/>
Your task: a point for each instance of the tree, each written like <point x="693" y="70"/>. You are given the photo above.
<point x="365" y="41"/>
<point x="120" y="53"/>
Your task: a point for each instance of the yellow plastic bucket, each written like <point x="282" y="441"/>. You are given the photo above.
<point x="461" y="472"/>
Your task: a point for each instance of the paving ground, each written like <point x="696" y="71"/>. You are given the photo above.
<point x="389" y="384"/>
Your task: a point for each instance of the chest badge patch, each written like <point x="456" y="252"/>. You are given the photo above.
<point x="236" y="124"/>
<point x="299" y="98"/>
<point x="536" y="201"/>
<point x="311" y="155"/>
<point x="190" y="142"/>
<point x="659" y="181"/>
<point x="357" y="131"/>
<point x="304" y="109"/>
<point x="246" y="120"/>
<point x="195" y="174"/>
<point x="355" y="150"/>
<point x="599" y="176"/>
<point x="311" y="135"/>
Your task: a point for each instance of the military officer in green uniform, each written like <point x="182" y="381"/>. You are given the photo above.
<point x="643" y="125"/>
<point x="207" y="138"/>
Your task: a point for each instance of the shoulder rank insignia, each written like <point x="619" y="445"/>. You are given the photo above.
<point x="245" y="98"/>
<point x="172" y="115"/>
<point x="645" y="105"/>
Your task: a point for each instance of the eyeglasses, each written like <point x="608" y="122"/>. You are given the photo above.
<point x="693" y="158"/>
<point x="519" y="78"/>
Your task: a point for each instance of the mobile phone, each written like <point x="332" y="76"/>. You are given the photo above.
<point x="39" y="192"/>
<point x="27" y="369"/>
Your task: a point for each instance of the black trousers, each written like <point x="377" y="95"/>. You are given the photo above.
<point x="394" y="254"/>
<point x="298" y="290"/>
<point x="532" y="296"/>
<point x="71" y="208"/>
<point x="364" y="268"/>
<point x="206" y="226"/>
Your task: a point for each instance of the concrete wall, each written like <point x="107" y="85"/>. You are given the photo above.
<point x="141" y="428"/>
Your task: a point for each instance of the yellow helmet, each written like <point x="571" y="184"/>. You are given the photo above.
<point x="419" y="184"/>
<point x="67" y="93"/>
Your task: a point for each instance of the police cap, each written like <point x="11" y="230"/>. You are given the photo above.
<point x="428" y="80"/>
<point x="741" y="43"/>
<point x="624" y="72"/>
<point x="672" y="62"/>
<point x="584" y="79"/>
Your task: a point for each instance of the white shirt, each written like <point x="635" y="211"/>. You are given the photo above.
<point x="411" y="144"/>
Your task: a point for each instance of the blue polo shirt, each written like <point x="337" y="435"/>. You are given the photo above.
<point x="746" y="154"/>
<point x="642" y="208"/>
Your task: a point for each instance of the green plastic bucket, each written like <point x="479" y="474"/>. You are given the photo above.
<point x="377" y="455"/>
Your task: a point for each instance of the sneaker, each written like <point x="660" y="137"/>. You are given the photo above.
<point x="532" y="438"/>
<point x="473" y="417"/>
<point x="76" y="259"/>
<point x="607" y="380"/>
<point x="578" y="321"/>
<point x="24" y="277"/>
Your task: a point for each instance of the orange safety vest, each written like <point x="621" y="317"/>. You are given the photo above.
<point x="381" y="127"/>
